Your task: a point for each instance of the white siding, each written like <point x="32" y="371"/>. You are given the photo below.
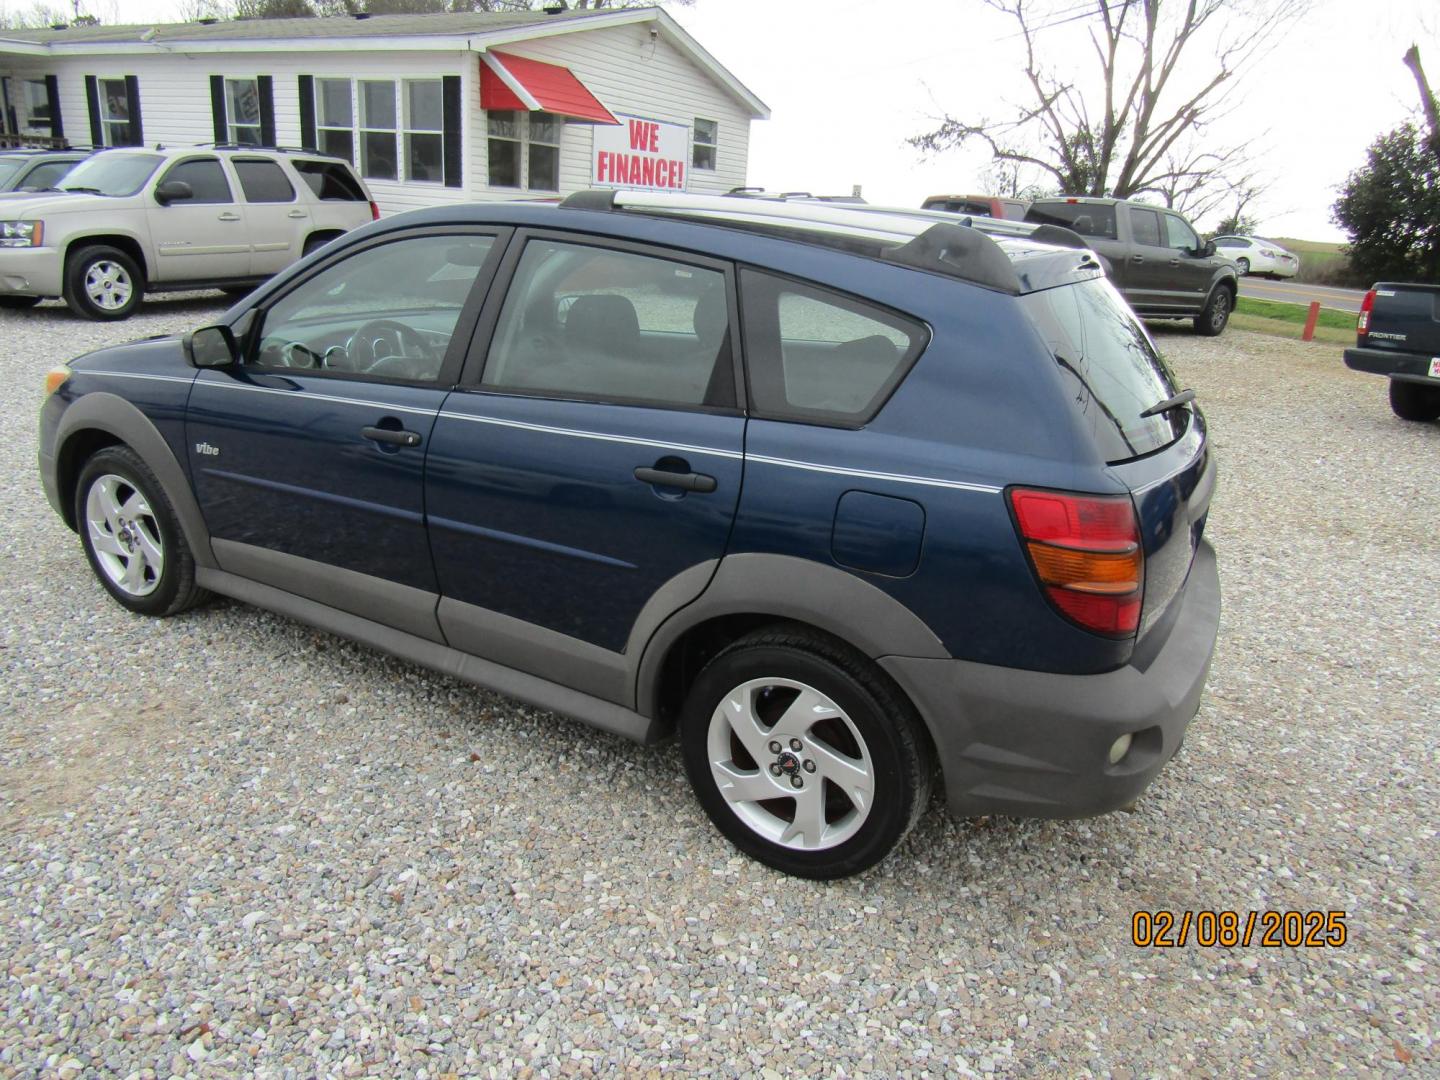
<point x="621" y="65"/>
<point x="630" y="74"/>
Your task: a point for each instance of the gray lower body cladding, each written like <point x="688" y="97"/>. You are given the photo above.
<point x="1036" y="744"/>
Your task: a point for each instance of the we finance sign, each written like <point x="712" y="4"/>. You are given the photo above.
<point x="639" y="153"/>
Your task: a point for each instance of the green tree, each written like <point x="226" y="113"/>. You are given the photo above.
<point x="1390" y="207"/>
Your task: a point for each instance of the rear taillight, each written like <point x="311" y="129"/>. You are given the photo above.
<point x="1085" y="551"/>
<point x="1362" y="324"/>
<point x="374" y="210"/>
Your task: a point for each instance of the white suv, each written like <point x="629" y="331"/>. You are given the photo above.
<point x="129" y="221"/>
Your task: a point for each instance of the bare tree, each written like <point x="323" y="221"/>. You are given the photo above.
<point x="1427" y="97"/>
<point x="1138" y="121"/>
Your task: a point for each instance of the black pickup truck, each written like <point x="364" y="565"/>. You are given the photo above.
<point x="1398" y="335"/>
<point x="1153" y="256"/>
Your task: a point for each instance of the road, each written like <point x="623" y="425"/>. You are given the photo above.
<point x="1296" y="292"/>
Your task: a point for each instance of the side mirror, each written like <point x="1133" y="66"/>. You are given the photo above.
<point x="211" y="347"/>
<point x="173" y="191"/>
<point x="1207" y="249"/>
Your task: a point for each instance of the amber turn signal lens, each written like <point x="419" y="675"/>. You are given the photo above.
<point x="1108" y="573"/>
<point x="55" y="378"/>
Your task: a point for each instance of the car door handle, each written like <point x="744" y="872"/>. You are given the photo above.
<point x="229" y="215"/>
<point x="686" y="481"/>
<point x="297" y="213"/>
<point x="1174" y="262"/>
<point x="1137" y="258"/>
<point x="391" y="436"/>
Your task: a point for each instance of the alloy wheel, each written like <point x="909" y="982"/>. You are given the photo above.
<point x="791" y="764"/>
<point x="125" y="535"/>
<point x="108" y="285"/>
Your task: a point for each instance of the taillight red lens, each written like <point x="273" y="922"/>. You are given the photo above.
<point x="374" y="210"/>
<point x="1362" y="325"/>
<point x="1085" y="551"/>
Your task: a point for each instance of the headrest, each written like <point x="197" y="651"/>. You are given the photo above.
<point x="605" y="323"/>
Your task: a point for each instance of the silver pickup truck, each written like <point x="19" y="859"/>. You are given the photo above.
<point x="129" y="221"/>
<point x="1398" y="335"/>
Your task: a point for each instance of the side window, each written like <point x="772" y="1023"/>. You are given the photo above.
<point x="386" y="311"/>
<point x="817" y="355"/>
<point x="263" y="181"/>
<point x="329" y="180"/>
<point x="591" y="322"/>
<point x="1179" y="235"/>
<point x="1145" y="225"/>
<point x="206" y="180"/>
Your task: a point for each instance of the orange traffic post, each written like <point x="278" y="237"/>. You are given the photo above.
<point x="1310" y="321"/>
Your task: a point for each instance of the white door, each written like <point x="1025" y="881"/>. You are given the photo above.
<point x="201" y="237"/>
<point x="277" y="220"/>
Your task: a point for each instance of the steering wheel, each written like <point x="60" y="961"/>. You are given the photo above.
<point x="365" y="345"/>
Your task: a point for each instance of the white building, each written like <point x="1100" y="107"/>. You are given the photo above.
<point x="430" y="108"/>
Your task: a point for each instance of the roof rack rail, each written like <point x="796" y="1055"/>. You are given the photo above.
<point x="259" y="146"/>
<point x="942" y="246"/>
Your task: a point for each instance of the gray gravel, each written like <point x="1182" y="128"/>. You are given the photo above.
<point x="237" y="846"/>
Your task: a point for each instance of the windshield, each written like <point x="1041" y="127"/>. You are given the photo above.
<point x="112" y="174"/>
<point x="9" y="167"/>
<point x="1110" y="365"/>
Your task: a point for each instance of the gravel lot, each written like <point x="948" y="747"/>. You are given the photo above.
<point x="233" y="845"/>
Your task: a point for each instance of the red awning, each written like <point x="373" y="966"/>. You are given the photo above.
<point x="513" y="82"/>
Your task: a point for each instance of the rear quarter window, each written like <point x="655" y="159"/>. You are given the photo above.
<point x="816" y="355"/>
<point x="330" y="180"/>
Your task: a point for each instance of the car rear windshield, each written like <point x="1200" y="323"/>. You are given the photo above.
<point x="116" y="174"/>
<point x="330" y="180"/>
<point x="959" y="206"/>
<point x="1111" y="366"/>
<point x="1087" y="219"/>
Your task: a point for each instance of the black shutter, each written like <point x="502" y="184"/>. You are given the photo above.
<point x="217" y="107"/>
<point x="450" y="104"/>
<point x="92" y="99"/>
<point x="307" y="113"/>
<point x="266" y="85"/>
<point x="52" y="91"/>
<point x="132" y="95"/>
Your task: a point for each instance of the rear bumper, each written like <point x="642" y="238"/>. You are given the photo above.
<point x="1411" y="367"/>
<point x="30" y="272"/>
<point x="1035" y="744"/>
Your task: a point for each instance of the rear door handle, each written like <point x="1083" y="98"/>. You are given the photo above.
<point x="229" y="215"/>
<point x="297" y="213"/>
<point x="690" y="481"/>
<point x="1137" y="258"/>
<point x="391" y="436"/>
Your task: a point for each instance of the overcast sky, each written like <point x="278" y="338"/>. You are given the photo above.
<point x="847" y="80"/>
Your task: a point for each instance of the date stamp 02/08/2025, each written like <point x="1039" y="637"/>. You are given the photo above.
<point x="1230" y="929"/>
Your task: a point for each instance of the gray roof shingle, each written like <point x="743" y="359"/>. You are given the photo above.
<point x="340" y="26"/>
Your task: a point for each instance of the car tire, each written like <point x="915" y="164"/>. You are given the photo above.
<point x="103" y="283"/>
<point x="1242" y="266"/>
<point x="132" y="536"/>
<point x="854" y="767"/>
<point x="1215" y="316"/>
<point x="1414" y="401"/>
<point x="18" y="303"/>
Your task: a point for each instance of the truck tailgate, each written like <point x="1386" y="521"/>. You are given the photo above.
<point x="1405" y="318"/>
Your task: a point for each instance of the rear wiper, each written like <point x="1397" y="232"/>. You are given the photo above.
<point x="1184" y="397"/>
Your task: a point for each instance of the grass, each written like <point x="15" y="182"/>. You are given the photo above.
<point x="1288" y="320"/>
<point x="1294" y="313"/>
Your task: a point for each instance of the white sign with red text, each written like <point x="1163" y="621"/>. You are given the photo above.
<point x="640" y="153"/>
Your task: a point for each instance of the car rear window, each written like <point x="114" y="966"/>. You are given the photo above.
<point x="1111" y="366"/>
<point x="959" y="206"/>
<point x="263" y="181"/>
<point x="330" y="180"/>
<point x="1087" y="219"/>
